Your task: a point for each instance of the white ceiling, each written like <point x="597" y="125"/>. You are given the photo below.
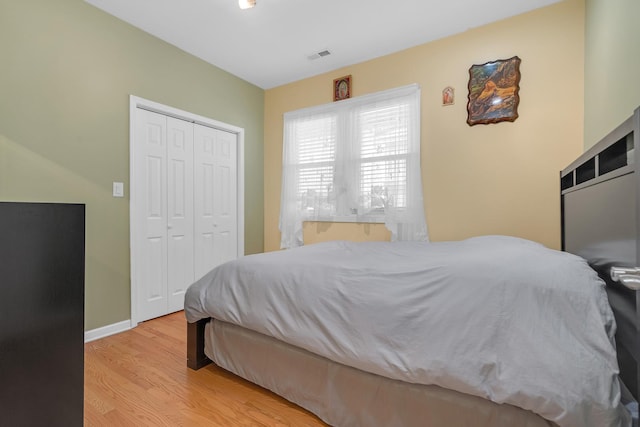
<point x="270" y="45"/>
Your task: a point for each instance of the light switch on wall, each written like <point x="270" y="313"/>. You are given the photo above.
<point x="118" y="189"/>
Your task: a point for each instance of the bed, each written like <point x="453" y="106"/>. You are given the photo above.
<point x="490" y="331"/>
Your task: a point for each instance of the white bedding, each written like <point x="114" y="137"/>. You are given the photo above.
<point x="497" y="317"/>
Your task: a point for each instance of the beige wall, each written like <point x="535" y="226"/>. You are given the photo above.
<point x="67" y="70"/>
<point x="612" y="65"/>
<point x="486" y="179"/>
<point x="314" y="232"/>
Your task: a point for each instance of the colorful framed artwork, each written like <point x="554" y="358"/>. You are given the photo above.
<point x="493" y="91"/>
<point x="448" y="96"/>
<point x="342" y="88"/>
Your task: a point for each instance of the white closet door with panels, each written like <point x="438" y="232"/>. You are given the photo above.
<point x="179" y="211"/>
<point x="185" y="213"/>
<point x="216" y="212"/>
<point x="151" y="168"/>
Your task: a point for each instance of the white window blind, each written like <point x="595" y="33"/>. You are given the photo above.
<point x="316" y="157"/>
<point x="354" y="160"/>
<point x="383" y="134"/>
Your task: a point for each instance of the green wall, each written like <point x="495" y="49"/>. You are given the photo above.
<point x="612" y="65"/>
<point x="66" y="72"/>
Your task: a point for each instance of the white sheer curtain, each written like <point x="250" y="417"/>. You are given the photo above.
<point x="356" y="160"/>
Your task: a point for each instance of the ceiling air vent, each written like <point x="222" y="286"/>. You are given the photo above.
<point x="319" y="54"/>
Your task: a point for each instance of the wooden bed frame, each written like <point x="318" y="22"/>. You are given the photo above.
<point x="196" y="358"/>
<point x="600" y="203"/>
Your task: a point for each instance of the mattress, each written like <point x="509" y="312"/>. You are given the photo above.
<point x="500" y="318"/>
<point x="344" y="396"/>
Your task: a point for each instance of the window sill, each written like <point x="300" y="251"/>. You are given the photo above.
<point x="365" y="219"/>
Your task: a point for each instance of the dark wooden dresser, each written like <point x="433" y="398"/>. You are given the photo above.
<point x="42" y="264"/>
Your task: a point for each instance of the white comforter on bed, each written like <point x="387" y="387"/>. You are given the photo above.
<point x="498" y="317"/>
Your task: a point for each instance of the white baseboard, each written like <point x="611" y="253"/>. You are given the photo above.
<point x="105" y="331"/>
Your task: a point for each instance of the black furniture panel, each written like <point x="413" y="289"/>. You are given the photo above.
<point x="601" y="223"/>
<point x="42" y="314"/>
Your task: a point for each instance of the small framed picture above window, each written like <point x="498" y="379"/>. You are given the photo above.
<point x="342" y="88"/>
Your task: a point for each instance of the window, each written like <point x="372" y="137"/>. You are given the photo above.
<point x="383" y="152"/>
<point x="356" y="160"/>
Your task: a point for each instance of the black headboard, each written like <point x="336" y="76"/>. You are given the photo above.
<point x="600" y="202"/>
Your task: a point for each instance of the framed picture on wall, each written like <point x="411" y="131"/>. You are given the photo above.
<point x="448" y="96"/>
<point x="342" y="88"/>
<point x="493" y="91"/>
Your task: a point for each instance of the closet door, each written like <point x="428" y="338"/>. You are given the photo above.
<point x="150" y="156"/>
<point x="216" y="224"/>
<point x="184" y="208"/>
<point x="180" y="211"/>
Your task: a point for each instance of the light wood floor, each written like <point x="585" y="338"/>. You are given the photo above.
<point x="140" y="378"/>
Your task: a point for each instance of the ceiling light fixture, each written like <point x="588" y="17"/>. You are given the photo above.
<point x="246" y="4"/>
